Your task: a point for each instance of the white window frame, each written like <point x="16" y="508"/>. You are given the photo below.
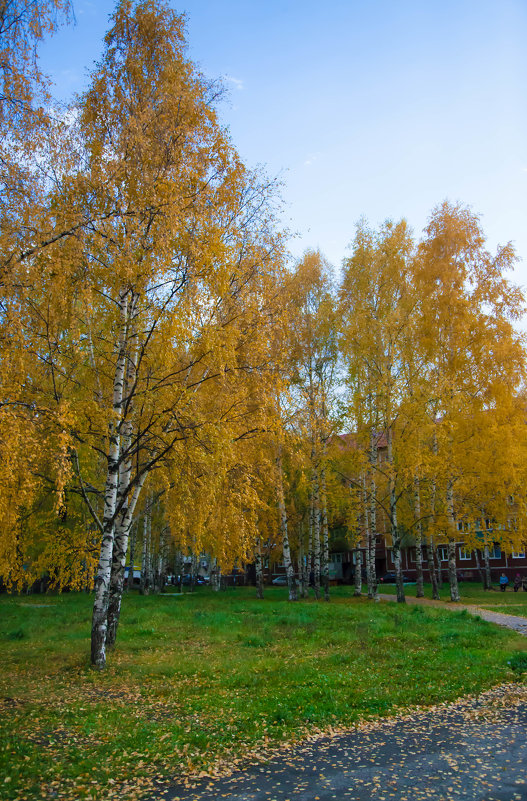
<point x="492" y="551"/>
<point x="442" y="553"/>
<point x="464" y="555"/>
<point x="518" y="554"/>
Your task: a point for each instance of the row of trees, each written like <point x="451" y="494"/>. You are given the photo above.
<point x="435" y="370"/>
<point x="416" y="353"/>
<point x="161" y="364"/>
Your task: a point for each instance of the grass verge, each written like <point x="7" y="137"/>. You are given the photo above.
<point x="200" y="680"/>
<point x="508" y="602"/>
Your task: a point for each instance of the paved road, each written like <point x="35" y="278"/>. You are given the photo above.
<point x="474" y="749"/>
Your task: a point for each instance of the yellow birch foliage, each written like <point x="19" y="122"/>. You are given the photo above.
<point x="171" y="273"/>
<point x="476" y="369"/>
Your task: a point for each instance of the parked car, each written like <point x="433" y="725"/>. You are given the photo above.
<point x="280" y="580"/>
<point x="186" y="580"/>
<point x="390" y="578"/>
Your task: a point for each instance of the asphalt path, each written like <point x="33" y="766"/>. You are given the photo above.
<point x="473" y="749"/>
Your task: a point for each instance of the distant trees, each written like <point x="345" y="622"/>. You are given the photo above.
<point x="435" y="368"/>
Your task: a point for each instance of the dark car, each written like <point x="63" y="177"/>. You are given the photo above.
<point x="390" y="578"/>
<point x="186" y="580"/>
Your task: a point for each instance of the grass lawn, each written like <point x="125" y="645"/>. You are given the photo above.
<point x="508" y="602"/>
<point x="204" y="678"/>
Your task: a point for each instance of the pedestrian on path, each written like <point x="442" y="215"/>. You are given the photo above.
<point x="517" y="582"/>
<point x="503" y="582"/>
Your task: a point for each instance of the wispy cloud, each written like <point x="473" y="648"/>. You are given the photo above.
<point x="236" y="82"/>
<point x="312" y="157"/>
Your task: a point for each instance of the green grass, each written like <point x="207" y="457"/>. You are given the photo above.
<point x="508" y="602"/>
<point x="204" y="678"/>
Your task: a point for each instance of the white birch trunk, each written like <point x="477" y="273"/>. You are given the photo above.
<point x="432" y="568"/>
<point x="291" y="582"/>
<point x="216" y="576"/>
<point x="372" y="528"/>
<point x="370" y="584"/>
<point x="122" y="533"/>
<point x="486" y="562"/>
<point x="310" y="557"/>
<point x="418" y="540"/>
<point x="179" y="569"/>
<point x="145" y="560"/>
<point x="452" y="533"/>
<point x="125" y="517"/>
<point x="396" y="539"/>
<point x="194" y="570"/>
<point x="302" y="572"/>
<point x="437" y="580"/>
<point x="102" y="581"/>
<point x="133" y="536"/>
<point x="259" y="570"/>
<point x="160" y="577"/>
<point x="435" y="574"/>
<point x="325" y="533"/>
<point x="316" y="534"/>
<point x="482" y="575"/>
<point x="213" y="575"/>
<point x="358" y="573"/>
<point x="452" y="572"/>
<point x="144" y="556"/>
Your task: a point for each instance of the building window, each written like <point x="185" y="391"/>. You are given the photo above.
<point x="442" y="553"/>
<point x="518" y="554"/>
<point x="495" y="552"/>
<point x="360" y="556"/>
<point x="464" y="554"/>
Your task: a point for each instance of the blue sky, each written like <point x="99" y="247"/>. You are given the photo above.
<point x="375" y="108"/>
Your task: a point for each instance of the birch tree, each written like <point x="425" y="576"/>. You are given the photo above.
<point x="150" y="315"/>
<point x="377" y="303"/>
<point x="475" y="356"/>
